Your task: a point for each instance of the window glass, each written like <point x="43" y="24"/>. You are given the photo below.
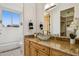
<point x="6" y="18"/>
<point x="16" y="19"/>
<point x="10" y="19"/>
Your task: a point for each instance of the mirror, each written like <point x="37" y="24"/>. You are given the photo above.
<point x="66" y="18"/>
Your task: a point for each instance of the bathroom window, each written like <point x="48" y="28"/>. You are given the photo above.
<point x="10" y="19"/>
<point x="15" y="20"/>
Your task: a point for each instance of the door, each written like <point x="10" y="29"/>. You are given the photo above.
<point x="11" y="33"/>
<point x="11" y="26"/>
<point x="40" y="53"/>
<point x="63" y="26"/>
<point x="33" y="51"/>
<point x="1" y="34"/>
<point x="36" y="52"/>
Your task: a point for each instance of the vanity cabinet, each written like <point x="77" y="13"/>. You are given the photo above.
<point x="38" y="50"/>
<point x="40" y="53"/>
<point x="35" y="49"/>
<point x="54" y="52"/>
<point x="26" y="47"/>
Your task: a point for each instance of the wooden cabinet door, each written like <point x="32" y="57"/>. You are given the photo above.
<point x="38" y="50"/>
<point x="40" y="53"/>
<point x="54" y="52"/>
<point x="33" y="51"/>
<point x="26" y="48"/>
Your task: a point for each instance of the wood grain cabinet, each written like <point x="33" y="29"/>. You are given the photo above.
<point x="54" y="52"/>
<point x="38" y="50"/>
<point x="40" y="53"/>
<point x="27" y="47"/>
<point x="35" y="49"/>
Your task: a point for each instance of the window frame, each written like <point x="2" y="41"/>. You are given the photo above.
<point x="12" y="11"/>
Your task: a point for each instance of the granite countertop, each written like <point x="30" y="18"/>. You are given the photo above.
<point x="66" y="37"/>
<point x="63" y="46"/>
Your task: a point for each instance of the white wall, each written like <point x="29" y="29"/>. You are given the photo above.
<point x="29" y="14"/>
<point x="12" y="34"/>
<point x="55" y="24"/>
<point x="40" y="15"/>
<point x="13" y="6"/>
<point x="33" y="12"/>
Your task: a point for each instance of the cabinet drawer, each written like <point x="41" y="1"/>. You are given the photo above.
<point x="42" y="54"/>
<point x="40" y="47"/>
<point x="54" y="52"/>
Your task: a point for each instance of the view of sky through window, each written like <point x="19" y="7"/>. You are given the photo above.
<point x="10" y="18"/>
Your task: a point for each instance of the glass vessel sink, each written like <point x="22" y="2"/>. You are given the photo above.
<point x="43" y="37"/>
